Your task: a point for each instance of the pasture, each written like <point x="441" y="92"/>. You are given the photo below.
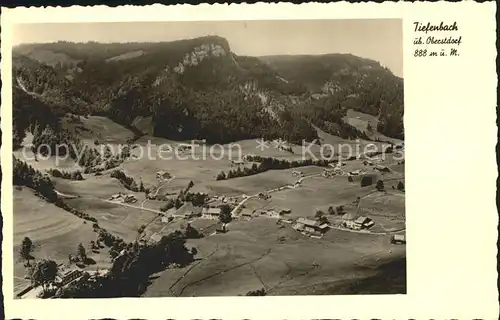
<point x="317" y="192"/>
<point x="101" y="187"/>
<point x="253" y="254"/>
<point x="250" y="257"/>
<point x="120" y="220"/>
<point x="55" y="233"/>
<point x="99" y="128"/>
<point x="43" y="163"/>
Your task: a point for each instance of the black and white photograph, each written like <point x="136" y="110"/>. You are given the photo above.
<point x="208" y="158"/>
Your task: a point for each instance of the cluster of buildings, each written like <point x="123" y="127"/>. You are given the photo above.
<point x="271" y="213"/>
<point x="184" y="147"/>
<point x="65" y="275"/>
<point x="224" y="199"/>
<point x="211" y="213"/>
<point x="312" y="228"/>
<point x="297" y="174"/>
<point x="188" y="211"/>
<point x="350" y="221"/>
<point x="264" y="196"/>
<point x="125" y="198"/>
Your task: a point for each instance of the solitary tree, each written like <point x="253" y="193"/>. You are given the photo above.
<point x="81" y="253"/>
<point x="323" y="219"/>
<point x="331" y="211"/>
<point x="225" y="214"/>
<point x="340" y="210"/>
<point x="26" y="249"/>
<point x="380" y="185"/>
<point x="401" y="186"/>
<point x="319" y="213"/>
<point x="43" y="273"/>
<point x="221" y="176"/>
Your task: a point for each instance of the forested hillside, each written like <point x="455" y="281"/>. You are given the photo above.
<point x="198" y="88"/>
<point x="342" y="81"/>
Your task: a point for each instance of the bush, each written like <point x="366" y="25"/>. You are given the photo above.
<point x="221" y="176"/>
<point x="260" y="292"/>
<point x="401" y="186"/>
<point x="380" y="185"/>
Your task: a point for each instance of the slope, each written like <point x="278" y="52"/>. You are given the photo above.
<point x="338" y="82"/>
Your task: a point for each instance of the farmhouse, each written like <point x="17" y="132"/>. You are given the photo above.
<point x="276" y="212"/>
<point x="355" y="172"/>
<point x="398" y="239"/>
<point x="66" y="275"/>
<point x="221" y="228"/>
<point x="165" y="219"/>
<point x="210" y="213"/>
<point x="184" y="147"/>
<point x="247" y="216"/>
<point x="286" y="147"/>
<point x="123" y="198"/>
<point x="364" y="222"/>
<point x="163" y="175"/>
<point x="264" y="196"/>
<point x="116" y="197"/>
<point x="247" y="213"/>
<point x="382" y="168"/>
<point x="250" y="155"/>
<point x="349" y="220"/>
<point x="130" y="198"/>
<point x="237" y="162"/>
<point x="329" y="173"/>
<point x="310" y="226"/>
<point x="285" y="211"/>
<point x="273" y="213"/>
<point x="297" y="173"/>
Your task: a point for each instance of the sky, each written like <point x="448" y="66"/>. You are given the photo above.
<point x="377" y="39"/>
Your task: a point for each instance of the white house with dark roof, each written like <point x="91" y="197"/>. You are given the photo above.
<point x="398" y="239"/>
<point x="211" y="213"/>
<point x="364" y="222"/>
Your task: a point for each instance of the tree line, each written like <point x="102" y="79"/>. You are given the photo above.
<point x="130" y="273"/>
<point x="269" y="163"/>
<point x="26" y="175"/>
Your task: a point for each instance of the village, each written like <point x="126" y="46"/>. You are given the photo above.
<point x="314" y="226"/>
<point x="223" y="210"/>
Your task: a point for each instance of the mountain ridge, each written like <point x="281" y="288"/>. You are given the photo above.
<point x="197" y="88"/>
